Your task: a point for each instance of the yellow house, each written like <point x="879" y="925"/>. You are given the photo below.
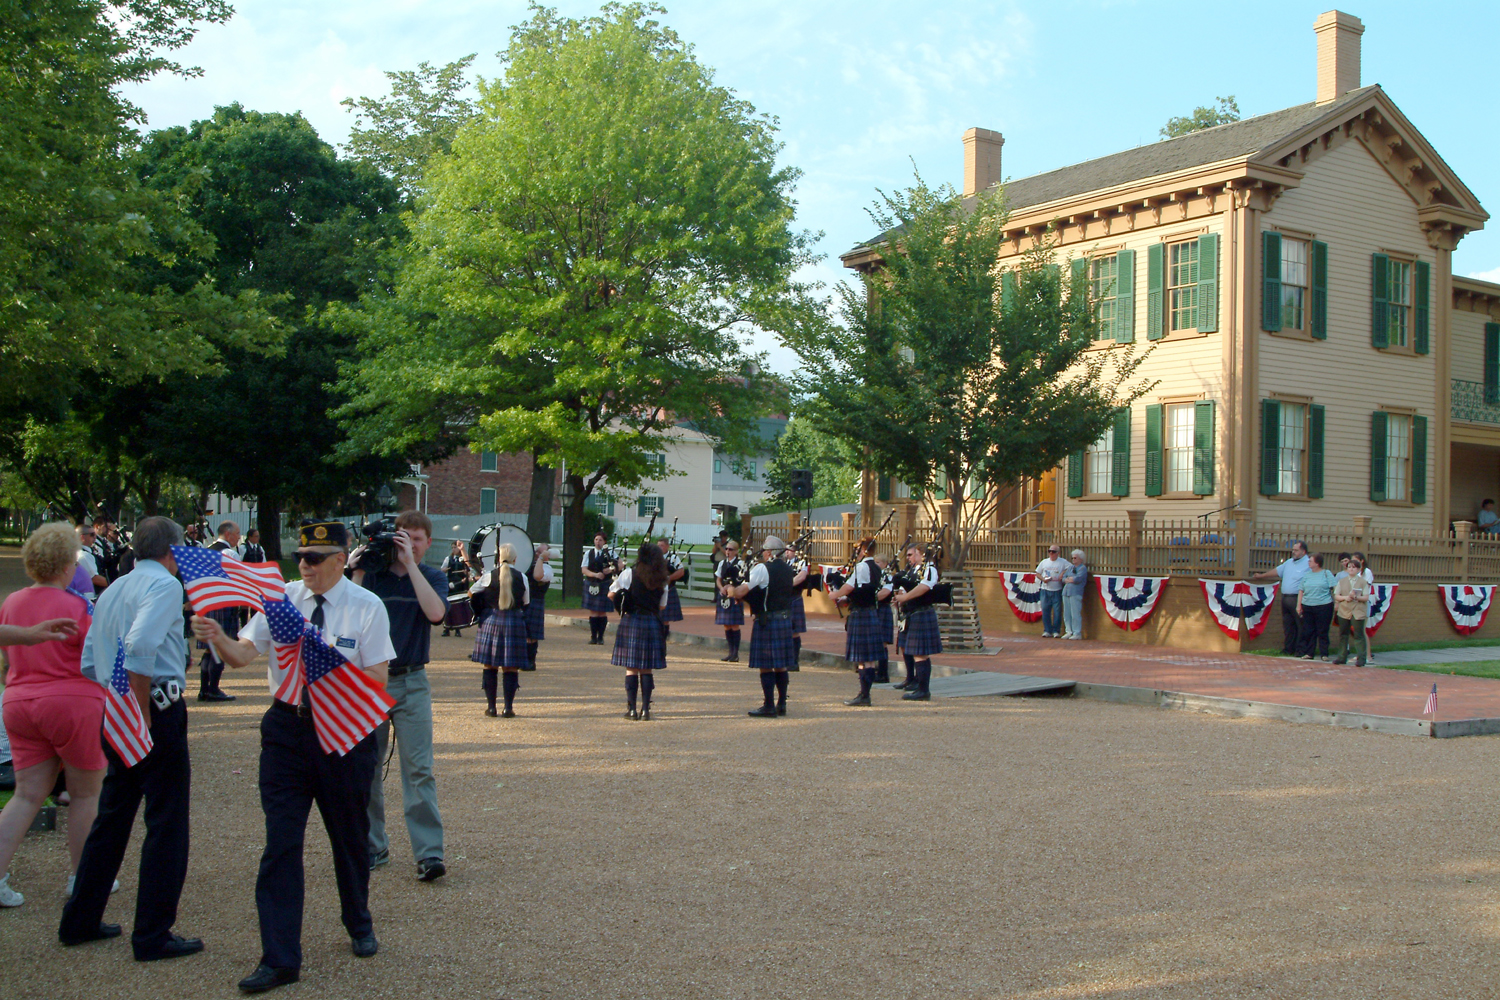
<point x="1316" y="359"/>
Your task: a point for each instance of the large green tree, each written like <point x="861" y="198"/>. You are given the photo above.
<point x="417" y="120"/>
<point x="953" y="379"/>
<point x="1224" y="111"/>
<point x="833" y="463"/>
<point x="587" y="261"/>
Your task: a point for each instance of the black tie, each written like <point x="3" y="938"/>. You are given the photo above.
<point x="317" y="616"/>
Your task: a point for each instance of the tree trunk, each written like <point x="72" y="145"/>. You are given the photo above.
<point x="268" y="521"/>
<point x="539" y="514"/>
<point x="572" y="553"/>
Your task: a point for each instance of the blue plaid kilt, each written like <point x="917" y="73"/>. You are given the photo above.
<point x="673" y="612"/>
<point x="732" y="615"/>
<point x="229" y="621"/>
<point x="600" y="601"/>
<point x="501" y="641"/>
<point x="639" y="644"/>
<point x="799" y="614"/>
<point x="771" y="643"/>
<point x="887" y="621"/>
<point x="862" y="642"/>
<point x="921" y="633"/>
<point x="536" y="619"/>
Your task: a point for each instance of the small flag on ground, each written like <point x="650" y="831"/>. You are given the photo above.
<point x="124" y="726"/>
<point x="213" y="582"/>
<point x="1431" y="708"/>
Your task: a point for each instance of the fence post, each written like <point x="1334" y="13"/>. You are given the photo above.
<point x="1462" y="531"/>
<point x="1137" y="530"/>
<point x="1033" y="537"/>
<point x="1362" y="534"/>
<point x="793" y="525"/>
<point x="1244" y="530"/>
<point x="850" y="527"/>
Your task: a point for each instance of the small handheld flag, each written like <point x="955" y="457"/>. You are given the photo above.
<point x="124" y="726"/>
<point x="213" y="582"/>
<point x="1431" y="708"/>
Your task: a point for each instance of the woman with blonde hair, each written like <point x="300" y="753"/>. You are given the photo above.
<point x="53" y="714"/>
<point x="500" y="646"/>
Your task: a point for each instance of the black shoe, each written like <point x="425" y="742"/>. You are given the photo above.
<point x="882" y="676"/>
<point x="364" y="947"/>
<point x="428" y="869"/>
<point x="780" y="709"/>
<point x="727" y="658"/>
<point x="266" y="978"/>
<point x="214" y="696"/>
<point x="173" y="947"/>
<point x="632" y="714"/>
<point x="104" y="931"/>
<point x="508" y="714"/>
<point x="907" y="685"/>
<point x="645" y="715"/>
<point x="377" y="860"/>
<point x="491" y="712"/>
<point x="859" y="701"/>
<point x="764" y="712"/>
<point x="917" y="696"/>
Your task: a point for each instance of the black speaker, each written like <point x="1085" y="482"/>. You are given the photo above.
<point x="802" y="484"/>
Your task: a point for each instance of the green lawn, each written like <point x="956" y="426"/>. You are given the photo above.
<point x="1473" y="668"/>
<point x="1397" y="647"/>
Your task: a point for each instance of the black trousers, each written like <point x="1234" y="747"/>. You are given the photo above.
<point x="163" y="779"/>
<point x="295" y="773"/>
<point x="211" y="669"/>
<point x="1315" y="621"/>
<point x="1291" y="625"/>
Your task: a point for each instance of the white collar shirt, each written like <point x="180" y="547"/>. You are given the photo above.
<point x="760" y="576"/>
<point x="625" y="579"/>
<point x="354" y="622"/>
<point x="483" y="584"/>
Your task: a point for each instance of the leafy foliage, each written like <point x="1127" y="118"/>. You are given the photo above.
<point x="1225" y="110"/>
<point x="419" y="120"/>
<point x="834" y="465"/>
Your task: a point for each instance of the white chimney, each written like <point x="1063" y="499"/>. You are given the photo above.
<point x="1338" y="54"/>
<point x="981" y="160"/>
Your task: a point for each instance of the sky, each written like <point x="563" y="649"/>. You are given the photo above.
<point x="866" y="92"/>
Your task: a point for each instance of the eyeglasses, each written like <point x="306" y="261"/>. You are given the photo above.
<point x="314" y="558"/>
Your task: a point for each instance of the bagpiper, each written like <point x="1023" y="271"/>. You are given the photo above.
<point x="500" y="644"/>
<point x="728" y="611"/>
<point x="921" y="637"/>
<point x="641" y="593"/>
<point x="599" y="567"/>
<point x="862" y="645"/>
<point x="887" y="622"/>
<point x="675" y="571"/>
<point x="536" y="608"/>
<point x="770" y="589"/>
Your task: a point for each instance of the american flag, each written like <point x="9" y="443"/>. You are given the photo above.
<point x="1431" y="708"/>
<point x="124" y="726"/>
<point x="214" y="582"/>
<point x="286" y="625"/>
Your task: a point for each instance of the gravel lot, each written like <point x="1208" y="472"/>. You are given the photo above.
<point x="977" y="848"/>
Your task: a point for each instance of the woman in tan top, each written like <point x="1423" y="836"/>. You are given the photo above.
<point x="1351" y="600"/>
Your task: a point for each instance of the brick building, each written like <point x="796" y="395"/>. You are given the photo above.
<point x="472" y="483"/>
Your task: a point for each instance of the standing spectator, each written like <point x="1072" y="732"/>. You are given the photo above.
<point x="253" y="552"/>
<point x="1049" y="572"/>
<point x="1075" y="585"/>
<point x="1315" y="608"/>
<point x="106" y="549"/>
<point x="1489" y="521"/>
<point x="1351" y="600"/>
<point x="1290" y="573"/>
<point x="52" y="712"/>
<point x="86" y="539"/>
<point x="210" y="667"/>
<point x="1369" y="576"/>
<point x="717" y="555"/>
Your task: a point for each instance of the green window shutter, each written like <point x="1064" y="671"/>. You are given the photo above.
<point x="1270" y="447"/>
<point x="1153" y="450"/>
<point x="883" y="489"/>
<point x="1270" y="280"/>
<point x="1421" y="281"/>
<point x="1203" y="447"/>
<point x="1315" y="452"/>
<point x="1380" y="326"/>
<point x="1418" y="459"/>
<point x="1075" y="474"/>
<point x="1007" y="291"/>
<point x="1319" y="254"/>
<point x="1125" y="298"/>
<point x="1491" y="363"/>
<point x="1120" y="473"/>
<point x="1208" y="283"/>
<point x="1377" y="456"/>
<point x="1156" y="279"/>
<point x="1078" y="270"/>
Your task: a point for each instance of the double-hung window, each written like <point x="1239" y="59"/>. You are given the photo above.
<point x="486" y="501"/>
<point x="1398" y="457"/>
<point x="1398" y="307"/>
<point x="1099" y="468"/>
<point x="1291" y="449"/>
<point x="1294" y="284"/>
<point x="489" y="462"/>
<point x="1104" y="286"/>
<point x="1182" y="286"/>
<point x="1179" y="447"/>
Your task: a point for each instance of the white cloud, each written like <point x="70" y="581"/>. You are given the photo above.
<point x="1491" y="275"/>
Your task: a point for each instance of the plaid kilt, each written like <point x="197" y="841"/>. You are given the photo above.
<point x="673" y="611"/>
<point x="536" y="618"/>
<point x="887" y="621"/>
<point x="732" y="615"/>
<point x="862" y="643"/>
<point x="229" y="621"/>
<point x="921" y="633"/>
<point x="771" y="644"/>
<point x="501" y="641"/>
<point x="799" y="614"/>
<point x="599" y="602"/>
<point x="639" y="644"/>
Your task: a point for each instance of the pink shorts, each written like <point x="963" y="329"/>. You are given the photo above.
<point x="64" y="725"/>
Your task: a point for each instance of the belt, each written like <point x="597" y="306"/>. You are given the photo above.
<point x="302" y="711"/>
<point x="771" y="616"/>
<point x="165" y="693"/>
<point x="402" y="671"/>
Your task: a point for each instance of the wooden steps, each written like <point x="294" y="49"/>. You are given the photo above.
<point x="959" y="624"/>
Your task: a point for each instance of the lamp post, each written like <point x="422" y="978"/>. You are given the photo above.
<point x="386" y="498"/>
<point x="567" y="495"/>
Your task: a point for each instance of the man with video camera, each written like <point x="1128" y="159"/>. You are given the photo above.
<point x="389" y="565"/>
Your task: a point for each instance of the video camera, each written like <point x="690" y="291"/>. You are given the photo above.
<point x="379" y="545"/>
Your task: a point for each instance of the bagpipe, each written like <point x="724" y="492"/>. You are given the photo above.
<point x="912" y="578"/>
<point x="813" y="581"/>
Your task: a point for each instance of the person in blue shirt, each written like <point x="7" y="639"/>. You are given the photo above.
<point x="1075" y="585"/>
<point x="1290" y="573"/>
<point x="1315" y="608"/>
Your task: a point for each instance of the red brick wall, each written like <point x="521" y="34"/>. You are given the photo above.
<point x="453" y="485"/>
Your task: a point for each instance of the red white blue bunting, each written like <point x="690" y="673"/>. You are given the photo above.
<point x="1129" y="600"/>
<point x="1227" y="598"/>
<point x="1023" y="592"/>
<point x="1381" y="595"/>
<point x="1467" y="605"/>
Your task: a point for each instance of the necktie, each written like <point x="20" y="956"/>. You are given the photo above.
<point x="317" y="616"/>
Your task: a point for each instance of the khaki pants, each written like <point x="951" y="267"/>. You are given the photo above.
<point x="1352" y="632"/>
<point x="411" y="717"/>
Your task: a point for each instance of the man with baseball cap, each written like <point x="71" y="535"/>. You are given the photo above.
<point x="1049" y="573"/>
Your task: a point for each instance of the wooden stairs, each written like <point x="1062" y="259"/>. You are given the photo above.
<point x="959" y="624"/>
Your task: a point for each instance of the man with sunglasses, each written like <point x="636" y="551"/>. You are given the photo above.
<point x="294" y="770"/>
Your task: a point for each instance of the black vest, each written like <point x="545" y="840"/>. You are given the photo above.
<point x="863" y="596"/>
<point x="517" y="589"/>
<point x="600" y="562"/>
<point x="640" y="599"/>
<point x="777" y="595"/>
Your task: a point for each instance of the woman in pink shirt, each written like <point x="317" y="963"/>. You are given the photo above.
<point x="53" y="713"/>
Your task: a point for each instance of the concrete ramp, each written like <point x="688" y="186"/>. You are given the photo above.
<point x="979" y="683"/>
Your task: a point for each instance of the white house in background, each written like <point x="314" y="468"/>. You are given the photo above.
<point x="684" y="490"/>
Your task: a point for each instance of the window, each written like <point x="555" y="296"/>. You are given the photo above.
<point x="1397" y="455"/>
<point x="750" y="470"/>
<point x="601" y="504"/>
<point x="1182" y="285"/>
<point x="1291" y="448"/>
<point x="486" y="501"/>
<point x="1294" y="284"/>
<point x="659" y="462"/>
<point x="489" y="462"/>
<point x="718" y="465"/>
<point x="1104" y="279"/>
<point x="1099" y="464"/>
<point x="646" y="506"/>
<point x="1179" y="448"/>
<point x="1398" y="309"/>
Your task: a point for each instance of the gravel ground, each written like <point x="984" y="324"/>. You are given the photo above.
<point x="978" y="847"/>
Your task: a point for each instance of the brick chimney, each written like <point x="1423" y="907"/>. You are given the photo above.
<point x="1338" y="54"/>
<point x="982" y="159"/>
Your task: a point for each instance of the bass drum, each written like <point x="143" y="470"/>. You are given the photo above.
<point x="488" y="539"/>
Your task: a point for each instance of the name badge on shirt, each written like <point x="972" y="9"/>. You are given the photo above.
<point x="344" y="642"/>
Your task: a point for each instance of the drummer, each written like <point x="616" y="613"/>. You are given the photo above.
<point x="456" y="568"/>
<point x="599" y="567"/>
<point x="536" y="609"/>
<point x="675" y="571"/>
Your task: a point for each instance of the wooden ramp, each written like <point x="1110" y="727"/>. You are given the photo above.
<point x="984" y="682"/>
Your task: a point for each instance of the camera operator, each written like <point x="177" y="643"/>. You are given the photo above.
<point x="390" y="566"/>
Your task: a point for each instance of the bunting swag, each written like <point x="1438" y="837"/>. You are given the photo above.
<point x="1024" y="594"/>
<point x="1129" y="600"/>
<point x="1225" y="599"/>
<point x="1380" y="602"/>
<point x="1467" y="605"/>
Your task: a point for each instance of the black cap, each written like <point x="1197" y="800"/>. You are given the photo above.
<point x="314" y="533"/>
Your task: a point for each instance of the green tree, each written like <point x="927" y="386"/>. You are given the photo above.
<point x="1224" y="112"/>
<point x="834" y="465"/>
<point x="588" y="259"/>
<point x="941" y="389"/>
<point x="417" y="121"/>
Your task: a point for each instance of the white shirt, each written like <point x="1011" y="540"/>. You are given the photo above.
<point x="225" y="548"/>
<point x="929" y="576"/>
<point x="354" y="623"/>
<point x="483" y="583"/>
<point x="546" y="576"/>
<point x="864" y="573"/>
<point x="623" y="581"/>
<point x="760" y="576"/>
<point x="609" y="560"/>
<point x="1051" y="572"/>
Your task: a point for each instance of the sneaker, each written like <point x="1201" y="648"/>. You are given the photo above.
<point x="1325" y="659"/>
<point x="430" y="868"/>
<point x="376" y="860"/>
<point x="1307" y="657"/>
<point x="73" y="878"/>
<point x="9" y="896"/>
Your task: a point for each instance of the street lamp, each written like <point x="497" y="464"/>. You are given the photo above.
<point x="566" y="494"/>
<point x="386" y="498"/>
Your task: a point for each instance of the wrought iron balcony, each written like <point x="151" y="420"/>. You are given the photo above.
<point x="1475" y="402"/>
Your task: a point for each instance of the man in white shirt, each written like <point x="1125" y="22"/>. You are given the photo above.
<point x="1049" y="573"/>
<point x="294" y="770"/>
<point x="87" y="536"/>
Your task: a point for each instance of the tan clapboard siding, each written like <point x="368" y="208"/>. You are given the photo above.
<point x="1468" y="345"/>
<point x="1348" y="201"/>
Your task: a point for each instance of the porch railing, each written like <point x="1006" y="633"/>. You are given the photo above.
<point x="1475" y="402"/>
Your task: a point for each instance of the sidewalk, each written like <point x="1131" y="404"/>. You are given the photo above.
<point x="1225" y="683"/>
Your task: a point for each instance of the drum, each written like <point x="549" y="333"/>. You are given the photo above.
<point x="488" y="539"/>
<point x="460" y="612"/>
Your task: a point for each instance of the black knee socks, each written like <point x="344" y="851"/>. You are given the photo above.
<point x="648" y="684"/>
<point x="883" y="668"/>
<point x="866" y="678"/>
<point x="911" y="666"/>
<point x="487" y="681"/>
<point x="797" y="648"/>
<point x="924" y="675"/>
<point x="531" y="653"/>
<point x="768" y="686"/>
<point x="733" y="637"/>
<point x="632" y="683"/>
<point x="781" y="680"/>
<point x="510" y="683"/>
